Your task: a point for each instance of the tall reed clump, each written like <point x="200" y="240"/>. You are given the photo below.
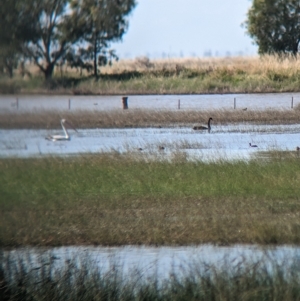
<point x="81" y="279"/>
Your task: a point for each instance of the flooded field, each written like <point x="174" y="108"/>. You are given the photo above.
<point x="223" y="142"/>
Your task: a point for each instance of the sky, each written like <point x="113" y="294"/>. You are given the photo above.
<point x="187" y="28"/>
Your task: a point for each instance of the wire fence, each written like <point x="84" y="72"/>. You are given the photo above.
<point x="171" y="102"/>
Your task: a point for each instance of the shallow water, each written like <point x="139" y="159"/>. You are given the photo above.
<point x="224" y="142"/>
<point x="162" y="261"/>
<point x="228" y="142"/>
<point x="30" y="103"/>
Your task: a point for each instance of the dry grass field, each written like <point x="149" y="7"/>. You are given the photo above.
<point x="173" y="76"/>
<point x="144" y="118"/>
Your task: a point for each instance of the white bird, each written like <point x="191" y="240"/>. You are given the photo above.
<point x="252" y="145"/>
<point x="66" y="136"/>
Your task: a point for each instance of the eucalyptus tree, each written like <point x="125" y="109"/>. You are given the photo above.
<point x="37" y="29"/>
<point x="274" y="25"/>
<point x="98" y="23"/>
<point x="52" y="36"/>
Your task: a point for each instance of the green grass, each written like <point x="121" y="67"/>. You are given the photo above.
<point x="116" y="175"/>
<point x="115" y="200"/>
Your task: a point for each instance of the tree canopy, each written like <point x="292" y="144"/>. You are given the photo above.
<point x="50" y="31"/>
<point x="98" y="23"/>
<point x="15" y="29"/>
<point x="275" y="25"/>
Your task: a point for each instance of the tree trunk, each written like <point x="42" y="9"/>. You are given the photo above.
<point x="9" y="68"/>
<point x="95" y="60"/>
<point x="49" y="71"/>
<point x="10" y="71"/>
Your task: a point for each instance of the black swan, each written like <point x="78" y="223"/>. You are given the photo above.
<point x="252" y="145"/>
<point x="201" y="127"/>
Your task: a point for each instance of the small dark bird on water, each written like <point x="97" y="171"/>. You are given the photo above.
<point x="161" y="147"/>
<point x="201" y="127"/>
<point x="252" y="145"/>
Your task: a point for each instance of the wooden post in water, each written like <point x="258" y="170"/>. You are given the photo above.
<point x="69" y="104"/>
<point x="234" y="103"/>
<point x="178" y="104"/>
<point x="17" y="103"/>
<point x="292" y="105"/>
<point x="124" y="101"/>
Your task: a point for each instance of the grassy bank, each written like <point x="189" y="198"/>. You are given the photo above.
<point x="168" y="76"/>
<point x="84" y="280"/>
<point x="115" y="200"/>
<point x="144" y="118"/>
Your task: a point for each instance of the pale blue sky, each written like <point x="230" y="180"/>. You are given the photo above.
<point x="174" y="28"/>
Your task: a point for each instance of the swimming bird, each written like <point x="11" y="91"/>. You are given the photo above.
<point x="201" y="127"/>
<point x="161" y="147"/>
<point x="252" y="145"/>
<point x="66" y="136"/>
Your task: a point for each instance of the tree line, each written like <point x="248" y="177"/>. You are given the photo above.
<point x="52" y="32"/>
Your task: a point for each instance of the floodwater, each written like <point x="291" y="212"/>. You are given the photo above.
<point x="29" y="103"/>
<point x="226" y="142"/>
<point x="161" y="262"/>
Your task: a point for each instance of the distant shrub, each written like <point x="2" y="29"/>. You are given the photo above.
<point x="9" y="88"/>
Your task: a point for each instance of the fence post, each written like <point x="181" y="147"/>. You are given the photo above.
<point x="69" y="104"/>
<point x="17" y="103"/>
<point x="178" y="104"/>
<point x="124" y="101"/>
<point x="292" y="105"/>
<point x="234" y="103"/>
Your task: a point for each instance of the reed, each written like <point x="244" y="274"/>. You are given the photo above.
<point x="81" y="279"/>
<point x="119" y="199"/>
<point x="144" y="118"/>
